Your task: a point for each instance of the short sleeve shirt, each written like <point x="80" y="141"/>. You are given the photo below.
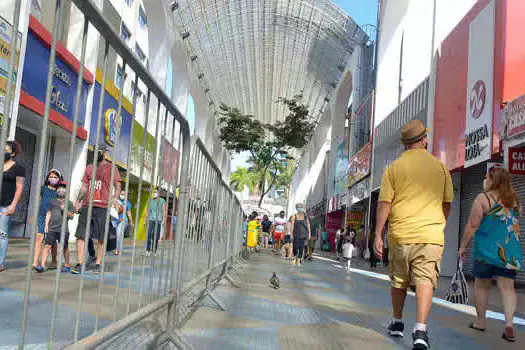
<point x="102" y="185"/>
<point x="155" y="209"/>
<point x="279" y="224"/>
<point x="416" y="184"/>
<point x="9" y="183"/>
<point x="55" y="223"/>
<point x="124" y="214"/>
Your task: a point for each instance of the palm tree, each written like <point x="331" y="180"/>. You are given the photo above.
<point x="241" y="178"/>
<point x="284" y="179"/>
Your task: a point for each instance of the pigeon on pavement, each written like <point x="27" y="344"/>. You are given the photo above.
<point x="274" y="281"/>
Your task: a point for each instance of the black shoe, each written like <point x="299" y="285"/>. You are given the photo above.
<point x="420" y="340"/>
<point x="395" y="329"/>
<point x="96" y="269"/>
<point x="77" y="270"/>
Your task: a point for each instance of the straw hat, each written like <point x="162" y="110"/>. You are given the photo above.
<point x="413" y="132"/>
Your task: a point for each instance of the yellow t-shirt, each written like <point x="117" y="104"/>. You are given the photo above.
<point x="416" y="184"/>
<point x="253" y="233"/>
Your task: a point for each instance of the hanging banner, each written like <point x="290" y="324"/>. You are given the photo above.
<point x="514" y="114"/>
<point x="341" y="168"/>
<point x="478" y="132"/>
<point x="359" y="165"/>
<point x="517" y="161"/>
<point x="5" y="54"/>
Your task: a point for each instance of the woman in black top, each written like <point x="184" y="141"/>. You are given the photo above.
<point x="12" y="186"/>
<point x="301" y="232"/>
<point x="266" y="226"/>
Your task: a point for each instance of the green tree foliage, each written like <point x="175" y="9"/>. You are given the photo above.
<point x="267" y="142"/>
<point x="242" y="178"/>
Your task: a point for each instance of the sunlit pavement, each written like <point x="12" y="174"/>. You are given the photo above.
<point x="320" y="306"/>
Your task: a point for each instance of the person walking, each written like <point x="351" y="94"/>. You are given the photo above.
<point x="373" y="258"/>
<point x="301" y="232"/>
<point x="103" y="193"/>
<point x="12" y="187"/>
<point x="266" y="225"/>
<point x="415" y="196"/>
<point x="279" y="235"/>
<point x="154" y="220"/>
<point x="253" y="228"/>
<point x="312" y="242"/>
<point x="47" y="194"/>
<point x="124" y="220"/>
<point x="497" y="252"/>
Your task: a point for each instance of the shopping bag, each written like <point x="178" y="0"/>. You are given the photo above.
<point x="458" y="290"/>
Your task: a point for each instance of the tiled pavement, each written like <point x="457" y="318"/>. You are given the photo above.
<point x="320" y="306"/>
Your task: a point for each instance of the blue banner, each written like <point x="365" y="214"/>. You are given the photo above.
<point x="34" y="80"/>
<point x="109" y="125"/>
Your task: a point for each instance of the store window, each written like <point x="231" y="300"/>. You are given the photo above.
<point x="125" y="34"/>
<point x="143" y="21"/>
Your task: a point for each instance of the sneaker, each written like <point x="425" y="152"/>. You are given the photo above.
<point x="420" y="340"/>
<point x="39" y="269"/>
<point x="395" y="329"/>
<point x="96" y="269"/>
<point x="66" y="269"/>
<point x="299" y="262"/>
<point x="294" y="261"/>
<point x="77" y="270"/>
<point x="52" y="266"/>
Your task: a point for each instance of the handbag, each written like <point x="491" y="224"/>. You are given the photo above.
<point x="458" y="290"/>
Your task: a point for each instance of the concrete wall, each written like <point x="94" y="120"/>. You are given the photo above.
<point x="406" y="29"/>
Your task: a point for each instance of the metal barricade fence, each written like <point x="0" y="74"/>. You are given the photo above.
<point x="172" y="276"/>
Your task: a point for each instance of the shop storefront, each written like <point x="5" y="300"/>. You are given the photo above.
<point x="31" y="112"/>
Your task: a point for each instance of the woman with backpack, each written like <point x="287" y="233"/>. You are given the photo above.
<point x="300" y="232"/>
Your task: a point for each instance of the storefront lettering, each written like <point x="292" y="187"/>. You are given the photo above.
<point x="62" y="76"/>
<point x="473" y="145"/>
<point x="517" y="161"/>
<point x="57" y="101"/>
<point x="515" y="115"/>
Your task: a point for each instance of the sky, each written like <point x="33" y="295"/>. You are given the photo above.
<point x="362" y="12"/>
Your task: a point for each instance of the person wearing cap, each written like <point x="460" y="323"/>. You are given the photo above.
<point x="416" y="195"/>
<point x="103" y="193"/>
<point x="54" y="226"/>
<point x="47" y="194"/>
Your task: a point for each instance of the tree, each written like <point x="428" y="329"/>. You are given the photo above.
<point x="267" y="143"/>
<point x="285" y="177"/>
<point x="242" y="178"/>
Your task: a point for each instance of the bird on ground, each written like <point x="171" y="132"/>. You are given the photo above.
<point x="274" y="281"/>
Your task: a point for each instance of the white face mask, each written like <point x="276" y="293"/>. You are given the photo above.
<point x="486" y="185"/>
<point x="122" y="197"/>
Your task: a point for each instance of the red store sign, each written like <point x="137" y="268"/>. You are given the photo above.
<point x="517" y="161"/>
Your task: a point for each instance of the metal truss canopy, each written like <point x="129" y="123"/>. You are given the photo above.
<point x="251" y="52"/>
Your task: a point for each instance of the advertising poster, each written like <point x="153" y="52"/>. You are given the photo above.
<point x="5" y="55"/>
<point x="359" y="165"/>
<point x="341" y="167"/>
<point x="137" y="149"/>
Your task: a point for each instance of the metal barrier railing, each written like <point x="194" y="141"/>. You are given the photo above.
<point x="132" y="287"/>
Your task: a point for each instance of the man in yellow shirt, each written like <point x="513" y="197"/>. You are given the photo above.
<point x="416" y="195"/>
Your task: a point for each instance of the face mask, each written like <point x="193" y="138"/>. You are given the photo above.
<point x="300" y="210"/>
<point x="53" y="181"/>
<point x="485" y="185"/>
<point x="7" y="156"/>
<point x="61" y="192"/>
<point x="100" y="156"/>
<point x="155" y="195"/>
<point x="122" y="197"/>
<point x="282" y="215"/>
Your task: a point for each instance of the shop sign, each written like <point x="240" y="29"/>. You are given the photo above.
<point x="359" y="192"/>
<point x="359" y="165"/>
<point x="64" y="87"/>
<point x="355" y="218"/>
<point x="317" y="210"/>
<point x="109" y="125"/>
<point x="480" y="78"/>
<point x="141" y="154"/>
<point x="515" y="116"/>
<point x="333" y="204"/>
<point x="517" y="161"/>
<point x="5" y="54"/>
<point x="171" y="162"/>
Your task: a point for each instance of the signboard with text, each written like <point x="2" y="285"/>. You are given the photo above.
<point x="359" y="165"/>
<point x="515" y="116"/>
<point x="517" y="161"/>
<point x="34" y="80"/>
<point x="480" y="77"/>
<point x="5" y="54"/>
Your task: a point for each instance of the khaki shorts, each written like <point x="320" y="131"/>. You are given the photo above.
<point x="414" y="264"/>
